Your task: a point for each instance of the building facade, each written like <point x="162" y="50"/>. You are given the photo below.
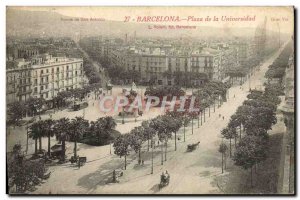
<point x="42" y="77"/>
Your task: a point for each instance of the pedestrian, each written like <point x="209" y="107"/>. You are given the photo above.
<point x="223" y="117"/>
<point x="233" y="96"/>
<point x="142" y="162"/>
<point x="162" y="177"/>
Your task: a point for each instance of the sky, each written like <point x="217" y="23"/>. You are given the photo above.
<point x="285" y="15"/>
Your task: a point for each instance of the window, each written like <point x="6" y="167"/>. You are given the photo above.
<point x="57" y="69"/>
<point x="42" y="71"/>
<point x="42" y="88"/>
<point x="47" y="71"/>
<point x="35" y="90"/>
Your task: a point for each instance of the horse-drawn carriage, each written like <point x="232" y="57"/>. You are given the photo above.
<point x="79" y="160"/>
<point x="164" y="180"/>
<point x="192" y="147"/>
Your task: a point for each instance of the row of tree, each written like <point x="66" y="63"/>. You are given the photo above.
<point x="160" y="128"/>
<point x="163" y="127"/>
<point x="162" y="91"/>
<point x="35" y="106"/>
<point x="119" y="75"/>
<point x="185" y="78"/>
<point x="277" y="69"/>
<point x="24" y="174"/>
<point x="254" y="119"/>
<point x="74" y="130"/>
<point x="91" y="72"/>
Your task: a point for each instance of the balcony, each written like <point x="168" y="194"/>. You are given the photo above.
<point x="25" y="84"/>
<point x="24" y="92"/>
<point x="45" y="90"/>
<point x="45" y="74"/>
<point x="44" y="83"/>
<point x="10" y="91"/>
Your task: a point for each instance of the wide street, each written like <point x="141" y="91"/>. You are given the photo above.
<point x="192" y="172"/>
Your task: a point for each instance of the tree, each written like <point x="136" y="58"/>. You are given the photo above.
<point x="22" y="173"/>
<point x="261" y="117"/>
<point x="223" y="149"/>
<point x="15" y="112"/>
<point x="61" y="98"/>
<point x="174" y="126"/>
<point x="259" y="103"/>
<point x="121" y="146"/>
<point x="36" y="133"/>
<point x="97" y="127"/>
<point x="255" y="94"/>
<point x="250" y="151"/>
<point x="229" y="133"/>
<point x="149" y="132"/>
<point x="78" y="127"/>
<point x="240" y="117"/>
<point x="164" y="132"/>
<point x="48" y="126"/>
<point x="62" y="132"/>
<point x="161" y="128"/>
<point x="137" y="139"/>
<point x="35" y="105"/>
<point x="102" y="127"/>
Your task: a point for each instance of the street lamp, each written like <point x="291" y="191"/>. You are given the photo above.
<point x="110" y="148"/>
<point x="123" y="122"/>
<point x="249" y="82"/>
<point x="192" y="124"/>
<point x="198" y="120"/>
<point x="201" y="116"/>
<point x="184" y="120"/>
<point x="152" y="156"/>
<point x="192" y="114"/>
<point x="162" y="153"/>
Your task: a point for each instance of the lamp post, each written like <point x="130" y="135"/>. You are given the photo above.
<point x="192" y="124"/>
<point x="123" y="121"/>
<point x="201" y="116"/>
<point x="162" y="153"/>
<point x="152" y="145"/>
<point x="27" y="136"/>
<point x="249" y="82"/>
<point x="184" y="122"/>
<point x="110" y="148"/>
<point x="198" y="120"/>
<point x="192" y="114"/>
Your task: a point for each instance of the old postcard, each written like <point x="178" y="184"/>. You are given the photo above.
<point x="150" y="100"/>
